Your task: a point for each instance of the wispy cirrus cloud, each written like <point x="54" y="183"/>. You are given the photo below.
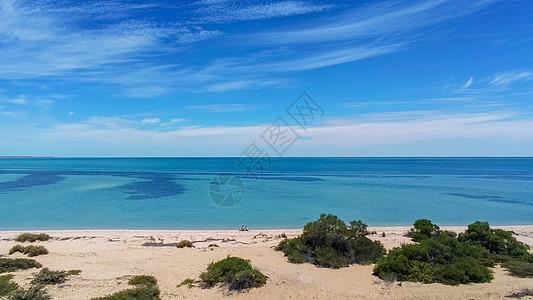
<point x="231" y="11"/>
<point x="146" y="55"/>
<point x="507" y="78"/>
<point x="224" y="107"/>
<point x="44" y="41"/>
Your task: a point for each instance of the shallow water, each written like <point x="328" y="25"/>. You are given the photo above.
<point x="174" y="193"/>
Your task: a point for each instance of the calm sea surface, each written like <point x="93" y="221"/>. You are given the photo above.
<point x="178" y="193"/>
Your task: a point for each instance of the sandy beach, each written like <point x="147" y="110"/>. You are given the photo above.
<point x="107" y="258"/>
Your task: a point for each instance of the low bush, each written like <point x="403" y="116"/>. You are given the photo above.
<point x="145" y="289"/>
<point x="499" y="242"/>
<point x="30" y="250"/>
<point x="143" y="280"/>
<point x="32" y="237"/>
<point x="35" y="292"/>
<point x="137" y="293"/>
<point x="47" y="277"/>
<point x="6" y="285"/>
<point x="74" y="272"/>
<point x="185" y="243"/>
<point x="236" y="272"/>
<point x="17" y="248"/>
<point x="247" y="279"/>
<point x="519" y="268"/>
<point x="329" y="242"/>
<point x="443" y="256"/>
<point x="423" y="229"/>
<point x="189" y="282"/>
<point x="14" y="264"/>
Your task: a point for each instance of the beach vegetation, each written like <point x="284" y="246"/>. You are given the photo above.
<point x="236" y="272"/>
<point x="423" y="229"/>
<point x="145" y="289"/>
<point x="14" y="264"/>
<point x="502" y="244"/>
<point x="32" y="237"/>
<point x="47" y="277"/>
<point x="441" y="256"/>
<point x="7" y="285"/>
<point x="329" y="242"/>
<point x="74" y="272"/>
<point x="143" y="280"/>
<point x="185" y="244"/>
<point x="519" y="268"/>
<point x="189" y="282"/>
<point x="34" y="292"/>
<point x="30" y="250"/>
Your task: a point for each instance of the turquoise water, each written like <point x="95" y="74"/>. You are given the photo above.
<point x="174" y="193"/>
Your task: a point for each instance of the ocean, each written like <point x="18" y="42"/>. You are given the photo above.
<point x="219" y="193"/>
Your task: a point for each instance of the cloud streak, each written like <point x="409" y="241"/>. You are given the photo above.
<point x="232" y="11"/>
<point x="147" y="56"/>
<point x="348" y="134"/>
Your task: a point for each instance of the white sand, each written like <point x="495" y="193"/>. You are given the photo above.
<point x="107" y="257"/>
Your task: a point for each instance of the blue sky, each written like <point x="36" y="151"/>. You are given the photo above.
<point x="205" y="78"/>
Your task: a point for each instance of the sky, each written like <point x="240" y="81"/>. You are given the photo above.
<point x="214" y="77"/>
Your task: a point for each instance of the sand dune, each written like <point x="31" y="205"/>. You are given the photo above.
<point x="108" y="257"/>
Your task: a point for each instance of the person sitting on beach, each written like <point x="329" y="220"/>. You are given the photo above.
<point x="245" y="228"/>
<point x="242" y="228"/>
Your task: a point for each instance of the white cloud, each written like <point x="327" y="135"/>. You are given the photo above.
<point x="507" y="78"/>
<point x="18" y="101"/>
<point x="70" y="113"/>
<point x="343" y="135"/>
<point x="112" y="122"/>
<point x="174" y="121"/>
<point x="224" y="11"/>
<point x="468" y="83"/>
<point x="150" y="121"/>
<point x="223" y="107"/>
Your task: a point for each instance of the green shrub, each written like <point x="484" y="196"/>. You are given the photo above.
<point x="328" y="257"/>
<point x="11" y="265"/>
<point x="74" y="272"/>
<point x="234" y="271"/>
<point x="31" y="250"/>
<point x="6" y="285"/>
<point x="423" y="229"/>
<point x="17" y="248"/>
<point x="143" y="279"/>
<point x="47" y="277"/>
<point x="438" y="257"/>
<point x="185" y="243"/>
<point x="247" y="279"/>
<point x="32" y="237"/>
<point x="138" y="293"/>
<point x="35" y="292"/>
<point x="189" y="282"/>
<point x="497" y="241"/>
<point x="281" y="245"/>
<point x="145" y="289"/>
<point x="519" y="268"/>
<point x="328" y="242"/>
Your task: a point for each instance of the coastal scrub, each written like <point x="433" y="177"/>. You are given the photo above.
<point x="329" y="242"/>
<point x="439" y="256"/>
<point x="236" y="272"/>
